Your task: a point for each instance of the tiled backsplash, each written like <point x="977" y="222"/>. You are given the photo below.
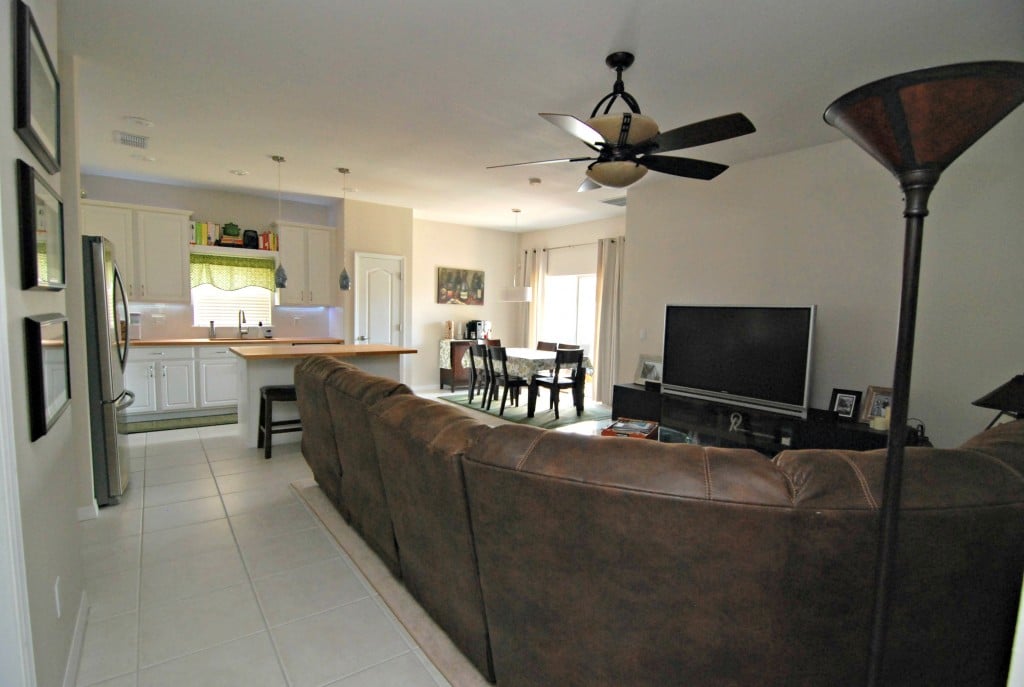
<point x="174" y="321"/>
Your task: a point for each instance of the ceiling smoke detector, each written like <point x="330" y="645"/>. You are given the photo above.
<point x="131" y="140"/>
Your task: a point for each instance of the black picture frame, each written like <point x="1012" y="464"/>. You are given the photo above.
<point x="36" y="91"/>
<point x="41" y="226"/>
<point x="845" y="404"/>
<point x="49" y="372"/>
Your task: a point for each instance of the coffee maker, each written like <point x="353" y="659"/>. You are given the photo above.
<point x="474" y="329"/>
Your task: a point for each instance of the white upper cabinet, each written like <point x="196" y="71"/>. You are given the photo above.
<point x="305" y="251"/>
<point x="161" y="264"/>
<point x="116" y="223"/>
<point x="150" y="247"/>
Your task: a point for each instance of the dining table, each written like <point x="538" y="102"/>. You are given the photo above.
<point x="526" y="362"/>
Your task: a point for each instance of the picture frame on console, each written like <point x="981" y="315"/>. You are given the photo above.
<point x="876" y="401"/>
<point x="648" y="369"/>
<point x="845" y="403"/>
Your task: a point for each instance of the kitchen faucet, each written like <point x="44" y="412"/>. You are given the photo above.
<point x="242" y="331"/>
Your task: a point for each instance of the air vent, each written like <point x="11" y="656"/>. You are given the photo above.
<point x="132" y="140"/>
<point x="621" y="201"/>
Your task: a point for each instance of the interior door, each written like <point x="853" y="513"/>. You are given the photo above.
<point x="378" y="299"/>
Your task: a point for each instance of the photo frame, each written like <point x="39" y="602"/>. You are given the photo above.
<point x="41" y="226"/>
<point x="876" y="400"/>
<point x="458" y="286"/>
<point x="49" y="373"/>
<point x="36" y="91"/>
<point x="648" y="369"/>
<point x="845" y="404"/>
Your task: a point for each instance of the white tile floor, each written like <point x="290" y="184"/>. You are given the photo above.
<point x="212" y="572"/>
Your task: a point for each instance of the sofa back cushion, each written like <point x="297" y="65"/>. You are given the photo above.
<point x="350" y="395"/>
<point x="420" y="444"/>
<point x="318" y="442"/>
<point x="649" y="563"/>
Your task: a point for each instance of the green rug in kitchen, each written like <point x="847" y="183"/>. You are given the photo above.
<point x="178" y="423"/>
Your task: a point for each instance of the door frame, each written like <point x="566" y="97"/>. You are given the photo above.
<point x="359" y="256"/>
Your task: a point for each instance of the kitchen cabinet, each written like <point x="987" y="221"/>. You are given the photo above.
<point x="161" y="256"/>
<point x="163" y="379"/>
<point x="150" y="245"/>
<point x="304" y="250"/>
<point x="218" y="377"/>
<point x="115" y="223"/>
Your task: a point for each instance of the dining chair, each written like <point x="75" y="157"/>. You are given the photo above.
<point x="547" y="346"/>
<point x="493" y="342"/>
<point x="568" y="347"/>
<point x="566" y="360"/>
<point x="485" y="374"/>
<point x="513" y="383"/>
<point x="474" y="376"/>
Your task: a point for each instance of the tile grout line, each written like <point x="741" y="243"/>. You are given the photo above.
<point x="248" y="576"/>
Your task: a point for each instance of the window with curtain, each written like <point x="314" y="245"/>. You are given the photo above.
<point x="224" y="284"/>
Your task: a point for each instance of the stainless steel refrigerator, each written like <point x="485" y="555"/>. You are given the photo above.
<point x="106" y="335"/>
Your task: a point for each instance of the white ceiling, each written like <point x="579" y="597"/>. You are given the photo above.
<point x="417" y="97"/>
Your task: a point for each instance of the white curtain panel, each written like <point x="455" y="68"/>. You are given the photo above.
<point x="609" y="297"/>
<point x="538" y="272"/>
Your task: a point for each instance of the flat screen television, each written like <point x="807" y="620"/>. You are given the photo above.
<point x="752" y="356"/>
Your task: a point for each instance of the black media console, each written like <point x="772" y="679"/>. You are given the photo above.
<point x="685" y="420"/>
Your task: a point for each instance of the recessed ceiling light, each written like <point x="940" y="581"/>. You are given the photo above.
<point x="139" y="121"/>
<point x="238" y="172"/>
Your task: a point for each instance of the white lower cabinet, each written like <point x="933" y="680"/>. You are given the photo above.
<point x="177" y="379"/>
<point x="162" y="378"/>
<point x="218" y="377"/>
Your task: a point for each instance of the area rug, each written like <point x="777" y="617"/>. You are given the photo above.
<point x="177" y="423"/>
<point x="543" y="417"/>
<point x="455" y="667"/>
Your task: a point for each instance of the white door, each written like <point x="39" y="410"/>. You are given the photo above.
<point x="218" y="383"/>
<point x="378" y="299"/>
<point x="162" y="265"/>
<point x="177" y="390"/>
<point x="139" y="378"/>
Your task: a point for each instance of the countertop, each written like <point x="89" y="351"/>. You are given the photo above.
<point x="234" y="341"/>
<point x="335" y="350"/>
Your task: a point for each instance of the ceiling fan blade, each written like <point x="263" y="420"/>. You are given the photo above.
<point x="544" y="162"/>
<point x="588" y="185"/>
<point x="683" y="166"/>
<point x="708" y="131"/>
<point x="575" y="127"/>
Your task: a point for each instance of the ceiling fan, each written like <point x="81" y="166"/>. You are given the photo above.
<point x="628" y="143"/>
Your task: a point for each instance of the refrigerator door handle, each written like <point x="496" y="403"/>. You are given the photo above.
<point x="122" y="350"/>
<point x="127" y="399"/>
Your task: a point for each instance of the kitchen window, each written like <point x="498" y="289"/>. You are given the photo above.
<point x="224" y="284"/>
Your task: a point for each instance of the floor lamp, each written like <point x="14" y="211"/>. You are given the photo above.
<point x="916" y="124"/>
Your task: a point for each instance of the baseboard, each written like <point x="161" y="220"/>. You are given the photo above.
<point x="77" y="639"/>
<point x="90" y="512"/>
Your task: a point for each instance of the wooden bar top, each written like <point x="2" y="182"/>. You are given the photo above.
<point x="234" y="341"/>
<point x="335" y="350"/>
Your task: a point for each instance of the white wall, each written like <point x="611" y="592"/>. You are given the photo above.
<point x="437" y="244"/>
<point x="45" y="476"/>
<point x="824" y="225"/>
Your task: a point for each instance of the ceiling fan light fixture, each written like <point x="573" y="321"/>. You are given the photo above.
<point x="616" y="173"/>
<point x="636" y="128"/>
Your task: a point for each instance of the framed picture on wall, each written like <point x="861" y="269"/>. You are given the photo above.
<point x="49" y="376"/>
<point x="36" y="91"/>
<point x="460" y="286"/>
<point x="41" y="226"/>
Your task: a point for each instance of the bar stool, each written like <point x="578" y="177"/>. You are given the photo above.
<point x="267" y="427"/>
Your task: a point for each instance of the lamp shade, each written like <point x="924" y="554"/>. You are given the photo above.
<point x="617" y="173"/>
<point x="925" y="119"/>
<point x="1008" y="398"/>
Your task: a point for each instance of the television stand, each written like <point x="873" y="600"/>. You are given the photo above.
<point x="686" y="420"/>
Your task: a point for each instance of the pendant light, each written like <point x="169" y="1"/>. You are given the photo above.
<point x="280" y="276"/>
<point x="344" y="283"/>
<point x="518" y="294"/>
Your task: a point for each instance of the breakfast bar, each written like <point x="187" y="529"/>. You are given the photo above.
<point x="275" y="364"/>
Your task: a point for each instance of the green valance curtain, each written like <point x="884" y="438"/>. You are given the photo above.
<point x="230" y="273"/>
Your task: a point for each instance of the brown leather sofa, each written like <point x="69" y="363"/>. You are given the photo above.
<point x="602" y="561"/>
